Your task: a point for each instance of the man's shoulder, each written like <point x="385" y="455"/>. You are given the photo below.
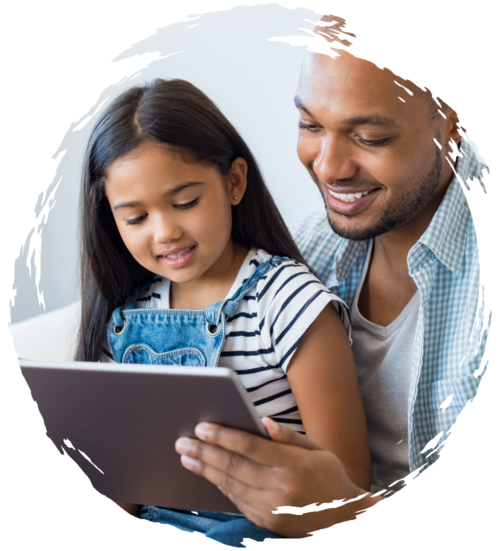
<point x="331" y="256"/>
<point x="313" y="222"/>
<point x="315" y="237"/>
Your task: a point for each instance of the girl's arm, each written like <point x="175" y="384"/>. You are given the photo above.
<point x="323" y="380"/>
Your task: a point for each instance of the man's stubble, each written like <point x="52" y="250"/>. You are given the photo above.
<point x="394" y="215"/>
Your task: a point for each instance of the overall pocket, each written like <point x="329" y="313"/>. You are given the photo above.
<point x="144" y="354"/>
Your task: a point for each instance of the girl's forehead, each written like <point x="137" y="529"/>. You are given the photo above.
<point x="148" y="159"/>
<point x="151" y="167"/>
<point x="143" y="156"/>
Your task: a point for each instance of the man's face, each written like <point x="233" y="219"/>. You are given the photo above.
<point x="372" y="155"/>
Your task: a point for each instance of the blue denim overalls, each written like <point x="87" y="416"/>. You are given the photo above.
<point x="176" y="337"/>
<point x="191" y="338"/>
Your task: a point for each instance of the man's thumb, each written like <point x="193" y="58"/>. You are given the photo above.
<point x="284" y="435"/>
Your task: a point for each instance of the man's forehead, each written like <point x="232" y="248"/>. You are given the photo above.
<point x="354" y="85"/>
<point x="321" y="70"/>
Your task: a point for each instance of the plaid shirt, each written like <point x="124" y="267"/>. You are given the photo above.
<point x="451" y="333"/>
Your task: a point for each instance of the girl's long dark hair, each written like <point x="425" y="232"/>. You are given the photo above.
<point x="176" y="114"/>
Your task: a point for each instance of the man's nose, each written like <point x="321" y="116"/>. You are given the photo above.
<point x="334" y="161"/>
<point x="166" y="229"/>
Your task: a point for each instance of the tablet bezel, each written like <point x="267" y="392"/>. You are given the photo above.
<point x="43" y="377"/>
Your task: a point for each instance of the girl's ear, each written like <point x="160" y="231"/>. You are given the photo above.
<point x="237" y="181"/>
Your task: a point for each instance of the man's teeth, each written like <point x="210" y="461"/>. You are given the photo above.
<point x="180" y="253"/>
<point x="348" y="197"/>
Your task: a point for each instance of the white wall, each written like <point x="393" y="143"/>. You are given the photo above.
<point x="228" y="55"/>
<point x="254" y="85"/>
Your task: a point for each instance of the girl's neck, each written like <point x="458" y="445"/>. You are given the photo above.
<point x="213" y="285"/>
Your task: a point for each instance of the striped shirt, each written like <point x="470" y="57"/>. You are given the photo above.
<point x="266" y="329"/>
<point x="452" y="326"/>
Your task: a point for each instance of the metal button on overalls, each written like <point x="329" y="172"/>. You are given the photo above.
<point x="176" y="337"/>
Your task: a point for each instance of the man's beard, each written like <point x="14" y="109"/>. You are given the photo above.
<point x="392" y="216"/>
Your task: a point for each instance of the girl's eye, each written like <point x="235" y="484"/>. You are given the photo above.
<point x="136" y="220"/>
<point x="184" y="206"/>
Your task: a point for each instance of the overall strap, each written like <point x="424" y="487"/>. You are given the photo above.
<point x="130" y="304"/>
<point x="229" y="306"/>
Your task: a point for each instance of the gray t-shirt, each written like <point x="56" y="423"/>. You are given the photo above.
<point x="383" y="359"/>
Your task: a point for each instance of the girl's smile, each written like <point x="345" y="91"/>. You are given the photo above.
<point x="175" y="217"/>
<point x="177" y="258"/>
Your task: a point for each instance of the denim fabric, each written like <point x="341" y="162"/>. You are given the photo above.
<point x="190" y="338"/>
<point x="176" y="337"/>
<point x="226" y="528"/>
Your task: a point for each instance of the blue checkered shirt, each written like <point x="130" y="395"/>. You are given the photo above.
<point x="450" y="334"/>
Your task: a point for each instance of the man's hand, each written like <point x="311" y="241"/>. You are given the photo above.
<point x="259" y="475"/>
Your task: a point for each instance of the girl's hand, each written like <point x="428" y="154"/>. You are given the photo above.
<point x="259" y="475"/>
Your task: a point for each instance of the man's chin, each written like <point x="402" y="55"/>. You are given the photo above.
<point x="356" y="233"/>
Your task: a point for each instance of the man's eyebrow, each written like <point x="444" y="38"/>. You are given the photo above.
<point x="371" y="120"/>
<point x="300" y="105"/>
<point x="168" y="193"/>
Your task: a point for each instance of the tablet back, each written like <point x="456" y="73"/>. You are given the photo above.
<point x="119" y="423"/>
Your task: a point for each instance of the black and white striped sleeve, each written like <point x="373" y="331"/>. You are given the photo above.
<point x="290" y="299"/>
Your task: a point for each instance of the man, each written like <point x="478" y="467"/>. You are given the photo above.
<point x="403" y="255"/>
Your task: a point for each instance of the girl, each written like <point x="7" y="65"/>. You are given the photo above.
<point x="187" y="261"/>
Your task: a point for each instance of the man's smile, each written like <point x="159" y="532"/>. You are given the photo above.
<point x="348" y="197"/>
<point x="350" y="201"/>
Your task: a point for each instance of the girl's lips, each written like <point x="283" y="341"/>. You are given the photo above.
<point x="344" y="207"/>
<point x="177" y="258"/>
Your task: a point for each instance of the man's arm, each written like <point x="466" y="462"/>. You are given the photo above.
<point x="259" y="475"/>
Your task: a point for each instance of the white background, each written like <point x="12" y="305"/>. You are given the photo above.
<point x="230" y="57"/>
<point x="253" y="82"/>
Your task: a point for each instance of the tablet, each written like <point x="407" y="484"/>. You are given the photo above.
<point x="119" y="423"/>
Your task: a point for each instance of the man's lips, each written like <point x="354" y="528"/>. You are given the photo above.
<point x="350" y="201"/>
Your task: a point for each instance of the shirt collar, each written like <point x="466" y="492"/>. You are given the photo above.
<point x="446" y="235"/>
<point x="345" y="256"/>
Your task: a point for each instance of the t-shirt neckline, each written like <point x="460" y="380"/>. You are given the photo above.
<point x="245" y="271"/>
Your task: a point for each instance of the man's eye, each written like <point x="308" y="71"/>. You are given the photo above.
<point x="184" y="206"/>
<point x="374" y="143"/>
<point x="136" y="220"/>
<point x="311" y="127"/>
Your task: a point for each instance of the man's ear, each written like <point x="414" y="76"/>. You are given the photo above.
<point x="452" y="126"/>
<point x="237" y="181"/>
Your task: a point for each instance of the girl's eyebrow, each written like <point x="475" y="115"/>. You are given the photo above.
<point x="169" y="193"/>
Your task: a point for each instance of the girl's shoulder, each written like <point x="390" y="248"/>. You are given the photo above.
<point x="288" y="286"/>
<point x="285" y="302"/>
<point x="284" y="271"/>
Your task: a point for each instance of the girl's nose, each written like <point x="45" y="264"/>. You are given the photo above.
<point x="166" y="229"/>
<point x="333" y="160"/>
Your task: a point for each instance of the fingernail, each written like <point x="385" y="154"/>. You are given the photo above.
<point x="183" y="445"/>
<point x="203" y="430"/>
<point x="269" y="421"/>
<point x="189" y="462"/>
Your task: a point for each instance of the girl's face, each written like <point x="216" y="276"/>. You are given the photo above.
<point x="174" y="217"/>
